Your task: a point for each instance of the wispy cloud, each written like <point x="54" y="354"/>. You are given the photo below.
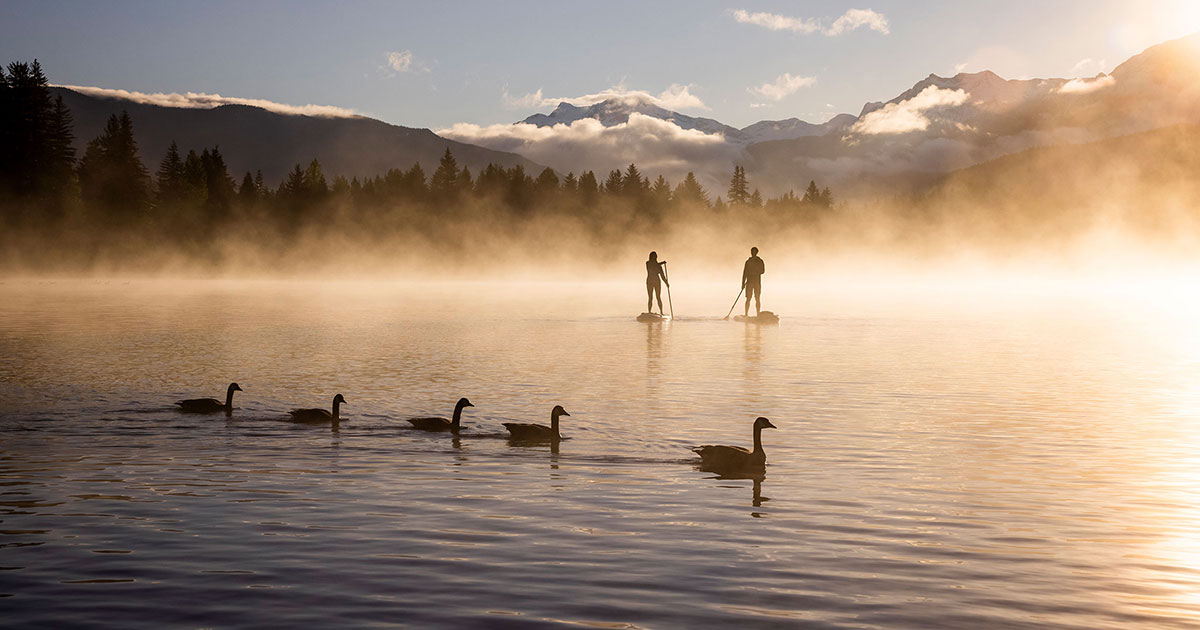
<point x="1084" y="86"/>
<point x="909" y="115"/>
<point x="848" y="21"/>
<point x="200" y="100"/>
<point x="402" y="62"/>
<point x="675" y="97"/>
<point x="783" y="85"/>
<point x="1088" y="67"/>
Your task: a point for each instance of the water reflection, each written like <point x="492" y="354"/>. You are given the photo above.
<point x="964" y="460"/>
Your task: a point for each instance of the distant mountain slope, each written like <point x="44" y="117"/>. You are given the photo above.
<point x="1146" y="181"/>
<point x="1156" y="88"/>
<point x="251" y="138"/>
<point x="617" y="110"/>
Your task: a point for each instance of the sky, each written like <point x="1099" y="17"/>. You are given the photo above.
<point x="436" y="64"/>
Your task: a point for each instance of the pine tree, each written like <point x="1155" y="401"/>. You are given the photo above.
<point x="689" y="191"/>
<point x="464" y="184"/>
<point x="660" y="192"/>
<point x="570" y="183"/>
<point x="546" y="183"/>
<point x="739" y="187"/>
<point x="756" y="200"/>
<point x="443" y="184"/>
<point x="247" y="192"/>
<point x="719" y="205"/>
<point x="615" y="182"/>
<point x="168" y="180"/>
<point x="195" y="179"/>
<point x="112" y="178"/>
<point x="217" y="183"/>
<point x="315" y="186"/>
<point x="59" y="179"/>
<point x="589" y="189"/>
<point x="632" y="184"/>
<point x="812" y="194"/>
<point x="24" y="129"/>
<point x="292" y="186"/>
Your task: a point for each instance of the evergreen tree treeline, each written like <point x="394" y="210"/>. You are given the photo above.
<point x="190" y="194"/>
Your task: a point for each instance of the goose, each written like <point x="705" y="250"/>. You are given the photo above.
<point x="519" y="431"/>
<point x="210" y="405"/>
<point x="442" y="424"/>
<point x="735" y="458"/>
<point x="316" y="416"/>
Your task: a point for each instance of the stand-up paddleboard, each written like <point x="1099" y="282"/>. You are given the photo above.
<point x="653" y="317"/>
<point x="765" y="317"/>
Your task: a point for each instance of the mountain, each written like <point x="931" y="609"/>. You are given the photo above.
<point x="938" y="125"/>
<point x="252" y="138"/>
<point x="615" y="111"/>
<point x="1144" y="182"/>
<point x="972" y="118"/>
<point x="765" y="130"/>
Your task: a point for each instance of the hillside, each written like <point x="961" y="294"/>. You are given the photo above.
<point x="253" y="138"/>
<point x="1145" y="181"/>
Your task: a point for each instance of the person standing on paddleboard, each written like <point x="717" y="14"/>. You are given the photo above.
<point x="654" y="271"/>
<point x="752" y="281"/>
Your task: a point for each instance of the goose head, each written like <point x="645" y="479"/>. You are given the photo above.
<point x="339" y="400"/>
<point x="234" y="387"/>
<point x="463" y="402"/>
<point x="559" y="411"/>
<point x="763" y="423"/>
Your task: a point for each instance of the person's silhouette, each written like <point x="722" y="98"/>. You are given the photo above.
<point x="752" y="281"/>
<point x="654" y="272"/>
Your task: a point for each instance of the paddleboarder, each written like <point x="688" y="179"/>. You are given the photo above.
<point x="751" y="281"/>
<point x="654" y="272"/>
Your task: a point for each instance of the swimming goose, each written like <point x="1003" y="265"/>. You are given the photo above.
<point x="210" y="405"/>
<point x="316" y="416"/>
<point x="520" y="431"/>
<point x="734" y="458"/>
<point x="442" y="424"/>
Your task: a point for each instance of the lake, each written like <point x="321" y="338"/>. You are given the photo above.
<point x="946" y="457"/>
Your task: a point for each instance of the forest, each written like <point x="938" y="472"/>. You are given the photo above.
<point x="64" y="211"/>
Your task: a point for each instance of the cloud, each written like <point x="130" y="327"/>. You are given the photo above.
<point x="675" y="97"/>
<point x="783" y="85"/>
<point x="848" y="21"/>
<point x="1085" y="86"/>
<point x="909" y="115"/>
<point x="200" y="100"/>
<point x="400" y="61"/>
<point x="656" y="146"/>
<point x="1088" y="67"/>
<point x="856" y="18"/>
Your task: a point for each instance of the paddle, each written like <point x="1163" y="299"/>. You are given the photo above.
<point x="735" y="301"/>
<point x="669" y="289"/>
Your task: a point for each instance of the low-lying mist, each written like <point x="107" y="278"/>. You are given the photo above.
<point x="1118" y="204"/>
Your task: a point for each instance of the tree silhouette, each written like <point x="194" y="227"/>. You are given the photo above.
<point x="112" y="178"/>
<point x="739" y="187"/>
<point x="689" y="191"/>
<point x="444" y="183"/>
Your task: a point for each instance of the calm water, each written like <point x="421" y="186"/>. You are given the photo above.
<point x="945" y="459"/>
